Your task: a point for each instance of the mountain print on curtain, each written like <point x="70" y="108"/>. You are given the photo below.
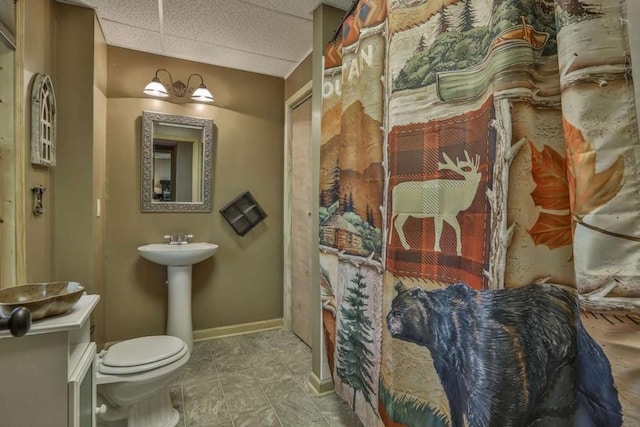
<point x="504" y="289"/>
<point x="330" y="192"/>
<point x="351" y="174"/>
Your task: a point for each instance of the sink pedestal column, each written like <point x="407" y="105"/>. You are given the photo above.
<point x="179" y="323"/>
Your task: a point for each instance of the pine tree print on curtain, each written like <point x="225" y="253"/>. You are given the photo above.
<point x="355" y="360"/>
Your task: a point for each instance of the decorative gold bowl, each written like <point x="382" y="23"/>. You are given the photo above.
<point x="42" y="299"/>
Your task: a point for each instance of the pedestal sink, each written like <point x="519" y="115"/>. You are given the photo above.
<point x="179" y="260"/>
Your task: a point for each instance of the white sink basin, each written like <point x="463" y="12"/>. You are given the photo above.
<point x="177" y="255"/>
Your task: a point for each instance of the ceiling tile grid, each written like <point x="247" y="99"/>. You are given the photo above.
<point x="263" y="36"/>
<point x="194" y="50"/>
<point x="139" y="13"/>
<point x="240" y="25"/>
<point x="123" y="35"/>
<point x="301" y="9"/>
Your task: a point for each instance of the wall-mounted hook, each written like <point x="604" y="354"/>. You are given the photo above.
<point x="38" y="205"/>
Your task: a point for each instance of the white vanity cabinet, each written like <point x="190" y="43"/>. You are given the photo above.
<point x="47" y="377"/>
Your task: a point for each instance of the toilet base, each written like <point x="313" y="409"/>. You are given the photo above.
<point x="155" y="411"/>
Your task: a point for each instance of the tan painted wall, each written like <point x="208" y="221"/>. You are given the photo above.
<point x="243" y="281"/>
<point x="99" y="171"/>
<point x="73" y="236"/>
<point x="81" y="86"/>
<point x="39" y="57"/>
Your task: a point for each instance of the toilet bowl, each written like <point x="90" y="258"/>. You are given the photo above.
<point x="133" y="379"/>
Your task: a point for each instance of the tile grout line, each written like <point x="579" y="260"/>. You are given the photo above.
<point x="184" y="406"/>
<point x="224" y="395"/>
<point x="302" y="386"/>
<point x="182" y="382"/>
<point x="277" y="351"/>
<point x="314" y="398"/>
<point x="322" y="413"/>
<point x="262" y="388"/>
<point x="181" y="398"/>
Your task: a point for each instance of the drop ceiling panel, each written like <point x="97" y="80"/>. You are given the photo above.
<point x="263" y="36"/>
<point x="194" y="50"/>
<point x="132" y="37"/>
<point x="240" y="25"/>
<point x="138" y="13"/>
<point x="301" y="9"/>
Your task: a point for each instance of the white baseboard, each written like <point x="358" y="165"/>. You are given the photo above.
<point x="321" y="387"/>
<point x="244" y="328"/>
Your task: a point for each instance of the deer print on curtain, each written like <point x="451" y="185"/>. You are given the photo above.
<point x="437" y="212"/>
<point x="440" y="199"/>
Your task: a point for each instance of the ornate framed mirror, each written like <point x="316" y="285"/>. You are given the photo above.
<point x="177" y="163"/>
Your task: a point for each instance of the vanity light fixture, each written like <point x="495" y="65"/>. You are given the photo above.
<point x="178" y="88"/>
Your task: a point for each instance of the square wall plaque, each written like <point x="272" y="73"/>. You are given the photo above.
<point x="243" y="213"/>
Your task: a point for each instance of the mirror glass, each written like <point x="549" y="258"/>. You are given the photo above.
<point x="177" y="157"/>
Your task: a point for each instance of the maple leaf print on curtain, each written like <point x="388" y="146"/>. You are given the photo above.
<point x="588" y="189"/>
<point x="573" y="184"/>
<point x="549" y="171"/>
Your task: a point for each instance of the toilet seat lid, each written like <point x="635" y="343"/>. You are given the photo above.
<point x="142" y="351"/>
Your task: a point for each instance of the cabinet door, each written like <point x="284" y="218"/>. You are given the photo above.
<point x="33" y="375"/>
<point x="82" y="390"/>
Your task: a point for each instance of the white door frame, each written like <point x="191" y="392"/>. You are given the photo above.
<point x="290" y="104"/>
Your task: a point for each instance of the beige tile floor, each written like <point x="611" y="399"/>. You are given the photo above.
<point x="254" y="380"/>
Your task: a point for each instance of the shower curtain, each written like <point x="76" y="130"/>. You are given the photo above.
<point x="480" y="213"/>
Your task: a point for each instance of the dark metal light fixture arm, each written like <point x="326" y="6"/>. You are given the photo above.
<point x="169" y="86"/>
<point x="191" y="89"/>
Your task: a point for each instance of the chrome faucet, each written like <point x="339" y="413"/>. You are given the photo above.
<point x="179" y="239"/>
<point x="183" y="239"/>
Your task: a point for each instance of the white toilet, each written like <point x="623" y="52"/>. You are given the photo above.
<point x="133" y="379"/>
